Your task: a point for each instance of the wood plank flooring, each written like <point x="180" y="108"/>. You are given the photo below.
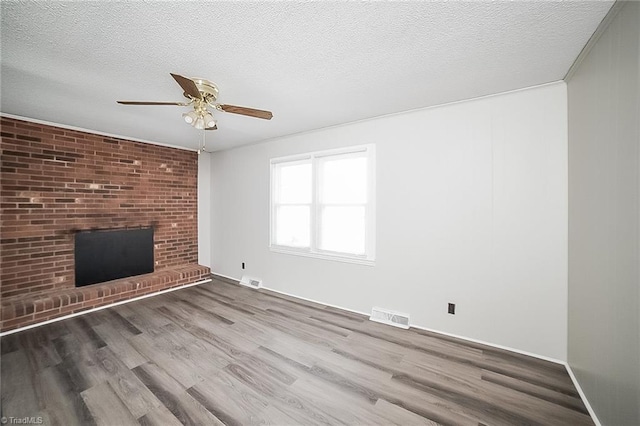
<point x="220" y="353"/>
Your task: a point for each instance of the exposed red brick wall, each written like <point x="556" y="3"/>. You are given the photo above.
<point x="56" y="181"/>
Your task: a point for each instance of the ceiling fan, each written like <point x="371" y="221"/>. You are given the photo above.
<point x="202" y="93"/>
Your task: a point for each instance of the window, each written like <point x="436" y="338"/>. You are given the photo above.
<point x="323" y="205"/>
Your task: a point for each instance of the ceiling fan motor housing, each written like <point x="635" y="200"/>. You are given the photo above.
<point x="208" y="89"/>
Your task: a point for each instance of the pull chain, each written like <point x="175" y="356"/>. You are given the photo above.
<point x="202" y="147"/>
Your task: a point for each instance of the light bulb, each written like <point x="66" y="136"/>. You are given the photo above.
<point x="209" y="121"/>
<point x="190" y="117"/>
<point x="199" y="124"/>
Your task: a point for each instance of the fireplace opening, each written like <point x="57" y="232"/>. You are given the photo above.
<point x="106" y="255"/>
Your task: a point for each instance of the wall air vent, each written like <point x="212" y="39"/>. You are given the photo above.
<point x="385" y="316"/>
<point x="251" y="282"/>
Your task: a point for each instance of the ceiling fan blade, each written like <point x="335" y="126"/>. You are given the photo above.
<point x="151" y="103"/>
<point x="188" y="85"/>
<point x="215" y="127"/>
<point x="251" y="112"/>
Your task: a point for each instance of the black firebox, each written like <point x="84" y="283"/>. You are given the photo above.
<point x="106" y="255"/>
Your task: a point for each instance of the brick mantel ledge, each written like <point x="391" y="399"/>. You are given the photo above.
<point x="20" y="311"/>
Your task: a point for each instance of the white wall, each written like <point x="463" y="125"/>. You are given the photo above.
<point x="204" y="209"/>
<point x="471" y="209"/>
<point x="604" y="221"/>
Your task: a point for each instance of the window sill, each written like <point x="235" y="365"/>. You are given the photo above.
<point x="323" y="256"/>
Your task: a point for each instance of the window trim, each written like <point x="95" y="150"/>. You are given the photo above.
<point x="370" y="208"/>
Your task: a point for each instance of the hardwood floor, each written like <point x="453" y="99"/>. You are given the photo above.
<point x="220" y="353"/>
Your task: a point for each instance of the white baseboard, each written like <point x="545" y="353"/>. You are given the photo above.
<point x="315" y="301"/>
<point x="582" y="395"/>
<point x="225" y="276"/>
<point x="99" y="308"/>
<point x="493" y="345"/>
<point x="294" y="296"/>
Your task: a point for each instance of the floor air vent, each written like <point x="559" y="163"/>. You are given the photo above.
<point x="251" y="282"/>
<point x="386" y="316"/>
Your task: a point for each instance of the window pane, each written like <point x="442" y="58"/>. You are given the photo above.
<point x="294" y="184"/>
<point x="344" y="181"/>
<point x="293" y="226"/>
<point x="343" y="229"/>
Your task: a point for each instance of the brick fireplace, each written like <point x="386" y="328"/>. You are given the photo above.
<point x="57" y="182"/>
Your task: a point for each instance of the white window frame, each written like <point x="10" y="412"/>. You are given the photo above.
<point x="370" y="207"/>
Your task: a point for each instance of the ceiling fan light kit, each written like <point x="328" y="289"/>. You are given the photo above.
<point x="200" y="94"/>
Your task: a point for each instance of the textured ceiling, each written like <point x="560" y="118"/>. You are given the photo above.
<point x="314" y="64"/>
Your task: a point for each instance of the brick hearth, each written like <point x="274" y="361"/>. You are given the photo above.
<point x="20" y="311"/>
